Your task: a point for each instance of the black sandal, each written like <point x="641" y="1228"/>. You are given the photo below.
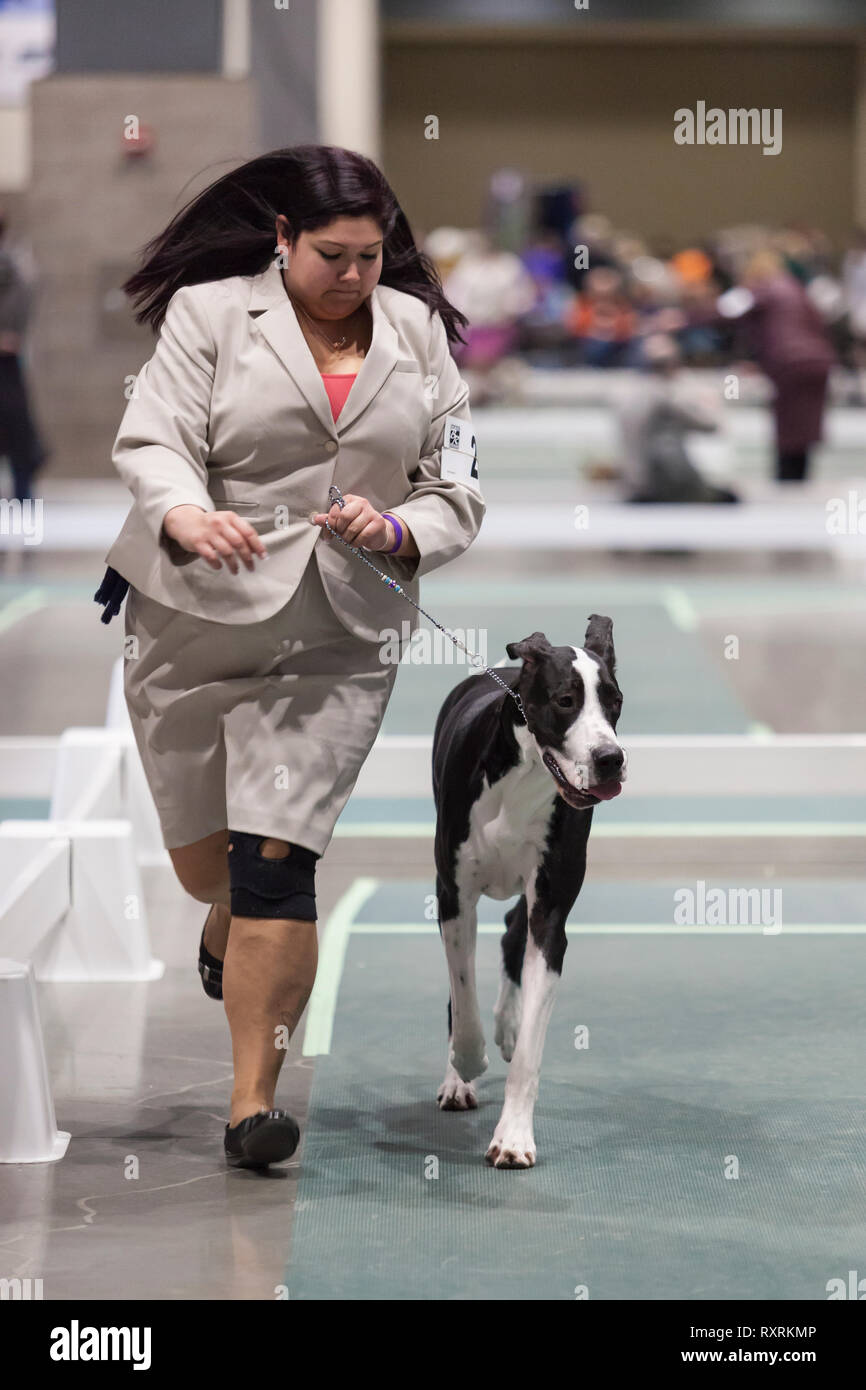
<point x="268" y="1137"/>
<point x="210" y="969"/>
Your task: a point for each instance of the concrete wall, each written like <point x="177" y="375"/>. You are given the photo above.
<point x="603" y="114"/>
<point x="90" y="213"/>
<point x="283" y="62"/>
<point x="139" y="35"/>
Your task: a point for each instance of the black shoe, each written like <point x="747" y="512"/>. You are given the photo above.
<point x="210" y="969"/>
<point x="261" y="1139"/>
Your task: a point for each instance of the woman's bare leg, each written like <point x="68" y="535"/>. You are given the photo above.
<point x="203" y="870"/>
<point x="216" y="931"/>
<point x="268" y="975"/>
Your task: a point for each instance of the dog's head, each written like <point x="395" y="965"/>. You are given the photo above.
<point x="572" y="703"/>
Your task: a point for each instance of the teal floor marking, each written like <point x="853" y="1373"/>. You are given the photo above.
<point x="680" y="608"/>
<point x="323" y="1000"/>
<point x="30" y="601"/>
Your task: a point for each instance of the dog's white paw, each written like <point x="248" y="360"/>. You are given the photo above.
<point x="469" y="1061"/>
<point x="455" y="1093"/>
<point x="512" y="1147"/>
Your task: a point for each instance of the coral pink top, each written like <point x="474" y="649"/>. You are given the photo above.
<point x="338" y="385"/>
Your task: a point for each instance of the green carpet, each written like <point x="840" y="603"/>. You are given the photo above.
<point x="703" y="1050"/>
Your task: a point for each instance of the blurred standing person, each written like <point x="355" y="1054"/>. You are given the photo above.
<point x="792" y="347"/>
<point x="854" y="289"/>
<point x="19" y="440"/>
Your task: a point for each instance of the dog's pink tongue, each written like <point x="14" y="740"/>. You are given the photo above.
<point x="605" y="791"/>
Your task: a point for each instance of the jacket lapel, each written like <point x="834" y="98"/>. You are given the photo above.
<point x="276" y="319"/>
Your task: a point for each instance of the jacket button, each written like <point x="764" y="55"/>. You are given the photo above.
<point x="330" y="447"/>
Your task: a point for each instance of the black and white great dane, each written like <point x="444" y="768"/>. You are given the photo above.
<point x="513" y="814"/>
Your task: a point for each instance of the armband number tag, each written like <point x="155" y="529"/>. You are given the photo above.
<point x="460" y="454"/>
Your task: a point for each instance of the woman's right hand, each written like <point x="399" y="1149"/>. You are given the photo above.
<point x="214" y="535"/>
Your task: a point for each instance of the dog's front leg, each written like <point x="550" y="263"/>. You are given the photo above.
<point x="513" y="1143"/>
<point x="467" y="1055"/>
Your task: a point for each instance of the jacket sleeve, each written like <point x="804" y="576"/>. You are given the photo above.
<point x="443" y="515"/>
<point x="161" y="449"/>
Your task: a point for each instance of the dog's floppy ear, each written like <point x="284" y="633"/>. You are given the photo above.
<point x="599" y="639"/>
<point x="530" y="649"/>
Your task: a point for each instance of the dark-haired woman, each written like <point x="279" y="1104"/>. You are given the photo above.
<point x="304" y="341"/>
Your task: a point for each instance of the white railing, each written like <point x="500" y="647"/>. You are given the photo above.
<point x="71" y="899"/>
<point x="759" y="764"/>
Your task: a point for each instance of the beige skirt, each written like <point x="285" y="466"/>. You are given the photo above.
<point x="261" y="727"/>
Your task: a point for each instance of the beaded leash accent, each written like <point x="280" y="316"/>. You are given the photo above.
<point x="335" y="495"/>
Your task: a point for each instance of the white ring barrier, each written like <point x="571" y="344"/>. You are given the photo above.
<point x="28" y="1127"/>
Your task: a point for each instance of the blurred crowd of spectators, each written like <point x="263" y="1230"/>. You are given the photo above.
<point x="593" y="296"/>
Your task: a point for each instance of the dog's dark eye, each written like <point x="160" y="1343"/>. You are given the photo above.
<point x="565" y="701"/>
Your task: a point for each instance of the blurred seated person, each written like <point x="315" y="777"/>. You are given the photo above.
<point x="594" y="232"/>
<point x="602" y="319"/>
<point x="703" y="339"/>
<point x="692" y="266"/>
<point x="493" y="289"/>
<point x="445" y="245"/>
<point x="656" y="411"/>
<point x="542" y="335"/>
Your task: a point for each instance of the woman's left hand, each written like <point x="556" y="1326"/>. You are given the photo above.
<point x="358" y="523"/>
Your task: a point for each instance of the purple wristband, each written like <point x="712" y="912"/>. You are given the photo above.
<point x="399" y="529"/>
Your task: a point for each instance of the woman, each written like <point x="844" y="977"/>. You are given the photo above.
<point x="791" y="346"/>
<point x="304" y="341"/>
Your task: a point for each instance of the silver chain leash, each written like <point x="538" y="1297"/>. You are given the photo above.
<point x="335" y="495"/>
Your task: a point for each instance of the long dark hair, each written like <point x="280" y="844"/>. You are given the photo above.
<point x="228" y="228"/>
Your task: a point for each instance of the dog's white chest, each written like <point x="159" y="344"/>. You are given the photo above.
<point x="507" y="833"/>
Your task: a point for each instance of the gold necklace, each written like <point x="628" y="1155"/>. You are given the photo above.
<point x="335" y="346"/>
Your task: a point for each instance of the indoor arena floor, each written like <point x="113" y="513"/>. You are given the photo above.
<point x="712" y="1050"/>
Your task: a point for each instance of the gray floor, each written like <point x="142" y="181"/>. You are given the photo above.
<point x="144" y="1072"/>
<point x="801" y="629"/>
<point x="701" y="1048"/>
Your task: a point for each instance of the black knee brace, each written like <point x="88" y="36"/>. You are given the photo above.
<point x="272" y="888"/>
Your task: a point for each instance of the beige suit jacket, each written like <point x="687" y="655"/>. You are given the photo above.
<point x="231" y="413"/>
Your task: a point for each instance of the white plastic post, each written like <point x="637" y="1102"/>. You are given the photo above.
<point x="88" y="775"/>
<point x="138" y="802"/>
<point x="99" y="774"/>
<point x="103" y="934"/>
<point x="28" y="1127"/>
